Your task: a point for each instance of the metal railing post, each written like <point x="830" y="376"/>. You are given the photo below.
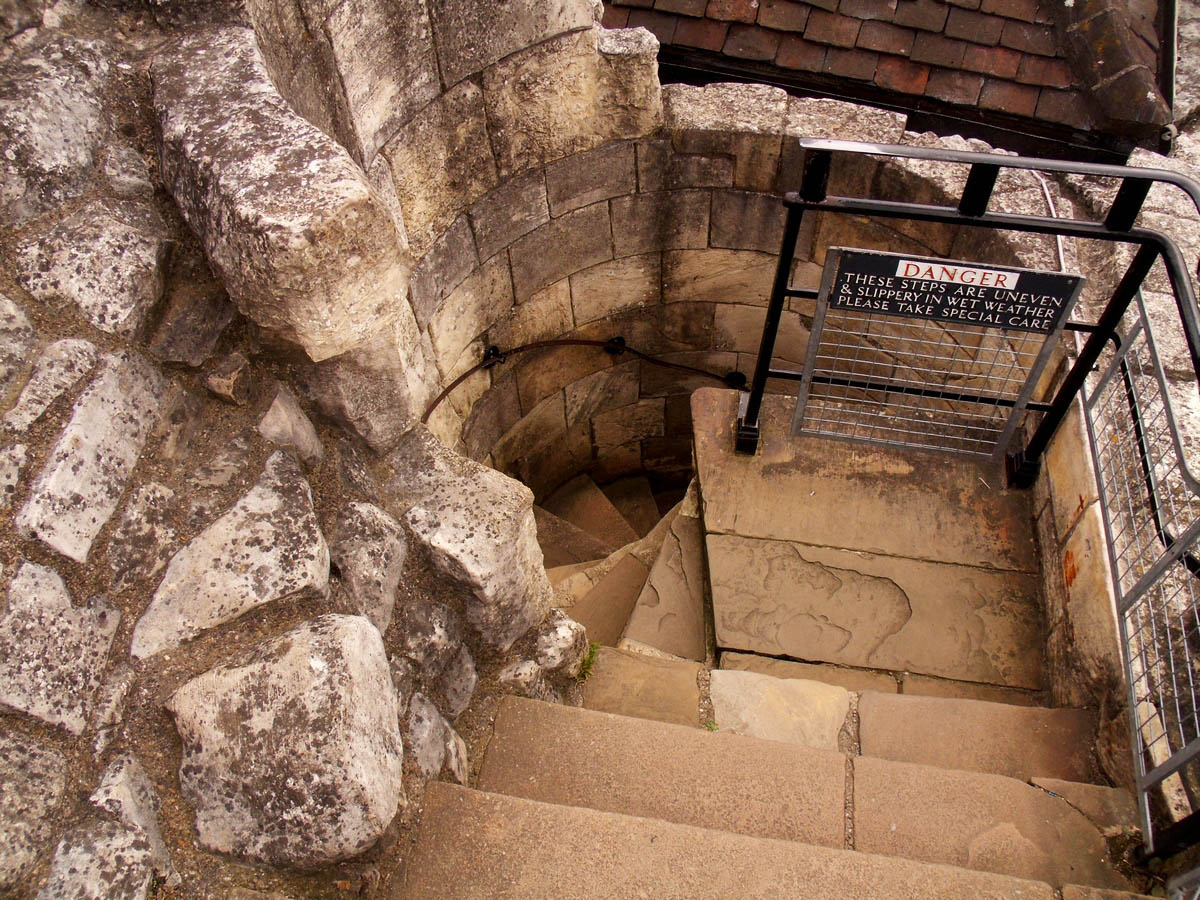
<point x="1024" y="465"/>
<point x="814" y="187"/>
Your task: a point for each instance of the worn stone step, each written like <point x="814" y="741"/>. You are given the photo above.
<point x="669" y="614"/>
<point x="583" y="504"/>
<point x="879" y="500"/>
<point x="842" y="676"/>
<point x="991" y="823"/>
<point x="635" y="502"/>
<point x="978" y="736"/>
<point x="472" y="844"/>
<point x="645" y="687"/>
<point x="867" y="610"/>
<point x="605" y="609"/>
<point x="559" y="574"/>
<point x="579" y="757"/>
<point x="563" y="543"/>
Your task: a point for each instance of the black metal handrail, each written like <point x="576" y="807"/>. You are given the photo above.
<point x="971" y="210"/>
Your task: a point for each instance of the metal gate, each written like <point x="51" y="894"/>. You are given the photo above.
<point x="892" y="361"/>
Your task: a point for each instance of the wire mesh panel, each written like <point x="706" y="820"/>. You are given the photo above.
<point x="1152" y="516"/>
<point x="913" y="362"/>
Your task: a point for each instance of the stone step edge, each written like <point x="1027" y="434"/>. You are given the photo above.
<point x="700" y="734"/>
<point x="440" y="794"/>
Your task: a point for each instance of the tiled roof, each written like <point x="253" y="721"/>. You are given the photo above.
<point x="1009" y="56"/>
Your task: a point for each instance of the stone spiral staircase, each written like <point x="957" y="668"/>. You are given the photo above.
<point x="821" y="780"/>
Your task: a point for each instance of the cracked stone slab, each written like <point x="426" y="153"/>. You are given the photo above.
<point x="1018" y="741"/>
<point x="58" y="369"/>
<point x="34" y="779"/>
<point x="850" y="679"/>
<point x="854" y="497"/>
<point x="52" y="653"/>
<point x="107" y="264"/>
<point x="268" y="547"/>
<point x="669" y="614"/>
<point x="84" y="476"/>
<point x="1105" y="807"/>
<point x="975" y="821"/>
<point x="17" y="339"/>
<point x="881" y="612"/>
<point x="293" y="756"/>
<point x="779" y="709"/>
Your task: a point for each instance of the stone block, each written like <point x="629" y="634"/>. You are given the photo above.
<point x="793" y="710"/>
<point x="591" y="176"/>
<point x="84" y="477"/>
<point x="379" y="389"/>
<point x="491" y="416"/>
<point x="744" y="121"/>
<point x="571" y="94"/>
<point x="644" y="687"/>
<point x="479" y="302"/>
<point x="478" y="526"/>
<point x="1071" y="471"/>
<point x="441" y="163"/>
<point x="669" y="615"/>
<point x="545" y="315"/>
<point x="512" y="210"/>
<point x="451" y="258"/>
<point x="620" y="284"/>
<point x="383" y="51"/>
<point x="468" y="42"/>
<point x="619" y="427"/>
<point x="368" y="547"/>
<point x="660" y="168"/>
<point x="284" y="424"/>
<point x="36" y="776"/>
<point x="332" y="267"/>
<point x="718" y="276"/>
<point x="268" y="547"/>
<point x="1093" y="653"/>
<point x="562" y="246"/>
<point x="670" y="220"/>
<point x="745" y="221"/>
<point x="607" y="389"/>
<point x="304" y="790"/>
<point x="58" y="369"/>
<point x="551" y="370"/>
<point x="740" y="328"/>
<point x="662" y="382"/>
<point x="548" y="468"/>
<point x="543" y="424"/>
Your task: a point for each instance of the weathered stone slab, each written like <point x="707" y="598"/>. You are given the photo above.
<point x="561" y="247"/>
<point x="975" y="821"/>
<point x="17" y="339"/>
<point x="196" y="313"/>
<point x="589" y="177"/>
<point x="52" y="116"/>
<point x="142" y="540"/>
<point x="125" y="791"/>
<point x="12" y="460"/>
<point x="267" y="547"/>
<point x="978" y="736"/>
<point x="483" y="298"/>
<point x="284" y="424"/>
<point x="669" y="614"/>
<point x="479" y="527"/>
<point x="634" y="500"/>
<point x="58" y="369"/>
<point x="330" y="269"/>
<point x="105" y="262"/>
<point x="82" y="480"/>
<point x="645" y="687"/>
<point x="830" y="494"/>
<point x="779" y="709"/>
<point x="468" y="42"/>
<point x="369" y="549"/>
<point x="53" y="654"/>
<point x="35" y="779"/>
<point x="102" y="857"/>
<point x="928" y="686"/>
<point x="293" y="756"/>
<point x="19" y="15"/>
<point x="543" y="316"/>
<point x="850" y="679"/>
<point x="668" y="220"/>
<point x="879" y="612"/>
